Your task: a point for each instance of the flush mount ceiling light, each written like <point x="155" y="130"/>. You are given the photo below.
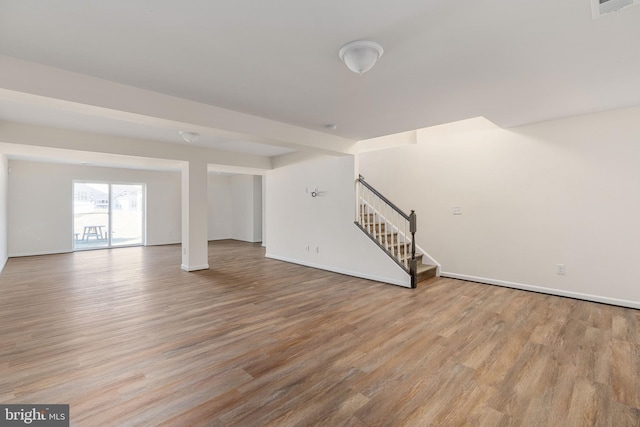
<point x="189" y="137"/>
<point x="360" y="56"/>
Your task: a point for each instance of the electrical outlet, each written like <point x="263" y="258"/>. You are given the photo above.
<point x="307" y="248"/>
<point x="456" y="210"/>
<point x="560" y="269"/>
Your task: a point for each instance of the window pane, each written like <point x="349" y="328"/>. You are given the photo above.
<point x="127" y="211"/>
<point x="90" y="215"/>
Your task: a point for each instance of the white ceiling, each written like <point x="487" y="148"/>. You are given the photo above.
<point x="513" y="62"/>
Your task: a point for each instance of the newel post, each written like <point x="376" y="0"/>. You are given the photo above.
<point x="413" y="269"/>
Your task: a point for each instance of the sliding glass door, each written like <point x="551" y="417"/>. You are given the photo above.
<point x="107" y="215"/>
<point x="127" y="214"/>
<point x="90" y="215"/>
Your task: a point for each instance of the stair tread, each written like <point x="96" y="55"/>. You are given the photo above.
<point x="396" y="243"/>
<point x="425" y="267"/>
<point x="425" y="272"/>
<point x="374" y="224"/>
<point x="408" y="256"/>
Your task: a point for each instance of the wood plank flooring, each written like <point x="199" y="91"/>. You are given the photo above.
<point x="128" y="339"/>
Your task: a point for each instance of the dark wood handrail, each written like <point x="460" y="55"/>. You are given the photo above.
<point x="384" y="199"/>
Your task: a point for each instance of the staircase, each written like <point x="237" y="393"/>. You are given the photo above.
<point x="392" y="230"/>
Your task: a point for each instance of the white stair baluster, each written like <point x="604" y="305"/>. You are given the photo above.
<point x="395" y="237"/>
<point x="368" y="215"/>
<point x="375" y="219"/>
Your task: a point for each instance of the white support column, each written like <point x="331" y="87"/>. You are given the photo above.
<point x="264" y="210"/>
<point x="194" y="216"/>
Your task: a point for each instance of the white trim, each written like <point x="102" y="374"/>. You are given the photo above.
<point x="404" y="284"/>
<point x="194" y="267"/>
<point x="158" y="244"/>
<point x="21" y="254"/>
<point x="550" y="291"/>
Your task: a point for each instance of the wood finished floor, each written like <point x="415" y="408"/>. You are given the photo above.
<point x="127" y="338"/>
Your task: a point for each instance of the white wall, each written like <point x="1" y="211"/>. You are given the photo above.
<point x="324" y="224"/>
<point x="235" y="207"/>
<point x="246" y="202"/>
<point x="41" y="196"/>
<point x="560" y="192"/>
<point x="41" y="222"/>
<point x="219" y="202"/>
<point x="242" y="207"/>
<point x="4" y="190"/>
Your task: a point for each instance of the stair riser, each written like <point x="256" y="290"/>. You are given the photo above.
<point x="402" y="249"/>
<point x="388" y="239"/>
<point x="367" y="216"/>
<point x="366" y="219"/>
<point x="425" y="275"/>
<point x="378" y="227"/>
<point x="408" y="257"/>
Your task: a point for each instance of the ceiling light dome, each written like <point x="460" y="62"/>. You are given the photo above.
<point x="189" y="137"/>
<point x="360" y="56"/>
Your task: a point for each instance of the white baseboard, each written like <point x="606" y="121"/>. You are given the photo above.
<point x="194" y="267"/>
<point x="550" y="291"/>
<point x="404" y="284"/>
<point x="162" y="243"/>
<point x="21" y="254"/>
<point x="216" y="238"/>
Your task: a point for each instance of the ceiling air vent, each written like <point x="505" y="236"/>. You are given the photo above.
<point x="603" y="7"/>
